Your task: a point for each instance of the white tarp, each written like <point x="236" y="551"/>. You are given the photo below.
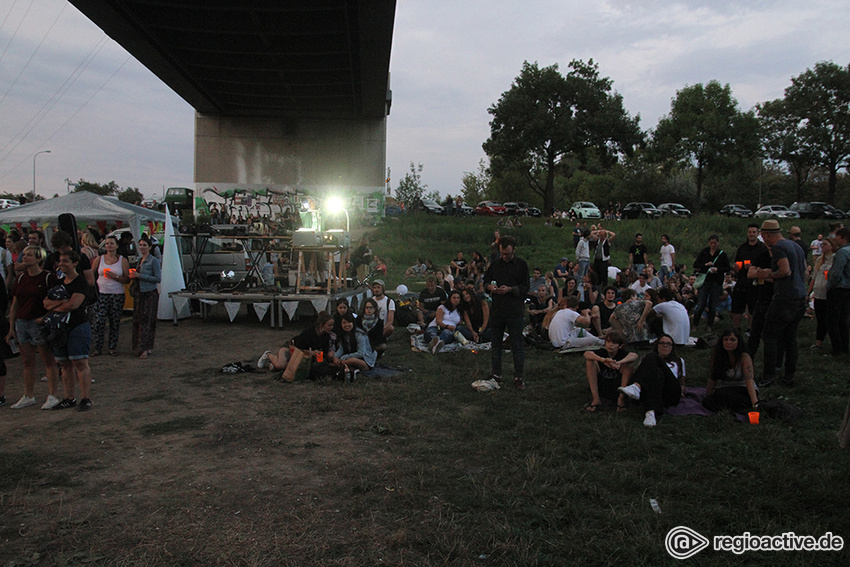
<point x="86" y="207"/>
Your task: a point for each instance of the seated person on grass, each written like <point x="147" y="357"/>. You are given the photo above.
<point x="537" y="278"/>
<point x="476" y="316"/>
<point x="603" y="310"/>
<point x="386" y="306"/>
<point x="417" y="270"/>
<point x="314" y="339"/>
<point x="608" y="369"/>
<point x="541" y="304"/>
<point x="630" y="317"/>
<point x="458" y="267"/>
<point x="659" y="381"/>
<point x="429" y="300"/>
<point x="353" y="347"/>
<point x="442" y="329"/>
<point x="565" y="331"/>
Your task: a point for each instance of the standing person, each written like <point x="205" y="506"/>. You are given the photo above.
<point x="7" y="264"/>
<point x="838" y="294"/>
<point x="730" y="379"/>
<point x="745" y="294"/>
<point x="638" y="254"/>
<point x="795" y="235"/>
<point x="817" y="289"/>
<point x="714" y="263"/>
<point x="28" y="293"/>
<point x="602" y="254"/>
<point x="507" y="282"/>
<point x="89" y="245"/>
<point x="73" y="356"/>
<point x="786" y="310"/>
<point x="146" y="299"/>
<point x="583" y="253"/>
<point x="113" y="271"/>
<point x="668" y="258"/>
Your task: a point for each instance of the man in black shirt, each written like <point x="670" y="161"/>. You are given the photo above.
<point x="507" y="282"/>
<point x="637" y="254"/>
<point x="429" y="299"/>
<point x="745" y="294"/>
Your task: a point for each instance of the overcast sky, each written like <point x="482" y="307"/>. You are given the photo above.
<point x="66" y="87"/>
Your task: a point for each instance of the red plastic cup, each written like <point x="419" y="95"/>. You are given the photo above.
<point x="754" y="417"/>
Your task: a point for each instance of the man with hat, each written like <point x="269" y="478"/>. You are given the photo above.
<point x="386" y="306"/>
<point x="787" y="270"/>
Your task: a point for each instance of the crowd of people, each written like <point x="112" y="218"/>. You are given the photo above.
<point x="590" y="305"/>
<point x="60" y="302"/>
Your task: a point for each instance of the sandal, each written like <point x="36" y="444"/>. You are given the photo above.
<point x="591" y="408"/>
<point x="621" y="409"/>
<point x="113" y="353"/>
<point x="144" y="355"/>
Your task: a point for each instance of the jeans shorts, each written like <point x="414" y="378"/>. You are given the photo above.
<point x="27" y="331"/>
<point x="78" y="345"/>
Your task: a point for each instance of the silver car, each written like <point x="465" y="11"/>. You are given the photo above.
<point x="776" y="211"/>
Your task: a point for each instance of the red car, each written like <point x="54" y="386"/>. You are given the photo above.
<point x="490" y="208"/>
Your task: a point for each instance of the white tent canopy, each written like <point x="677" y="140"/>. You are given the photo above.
<point x="86" y="207"/>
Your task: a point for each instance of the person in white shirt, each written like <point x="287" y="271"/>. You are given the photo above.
<point x="386" y="306"/>
<point x="640" y="286"/>
<point x="674" y="317"/>
<point x="668" y="258"/>
<point x="564" y="329"/>
<point x="816" y="248"/>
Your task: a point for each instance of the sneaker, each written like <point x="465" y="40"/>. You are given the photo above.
<point x="50" y="402"/>
<point x="766" y="381"/>
<point x="788" y="381"/>
<point x="24" y="402"/>
<point x="263" y="362"/>
<point x="649" y="420"/>
<point x="519" y="383"/>
<point x="85" y="405"/>
<point x="43" y="378"/>
<point x="65" y="404"/>
<point x="2" y="400"/>
<point x="815" y="347"/>
<point x="433" y="343"/>
<point x="632" y="391"/>
<point x="495" y="378"/>
<point x="437" y="347"/>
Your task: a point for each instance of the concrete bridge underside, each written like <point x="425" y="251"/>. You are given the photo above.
<point x="287" y="93"/>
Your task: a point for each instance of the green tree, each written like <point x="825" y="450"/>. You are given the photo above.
<point x="131" y="195"/>
<point x="410" y="187"/>
<point x="110" y="188"/>
<point x="476" y="185"/>
<point x="784" y="141"/>
<point x="705" y="130"/>
<point x="820" y="99"/>
<point x="546" y="121"/>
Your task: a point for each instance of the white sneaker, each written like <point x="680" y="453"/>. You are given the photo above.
<point x="50" y="402"/>
<point x="437" y="347"/>
<point x="649" y="420"/>
<point x="24" y="402"/>
<point x="264" y="360"/>
<point x="43" y="378"/>
<point x="632" y="391"/>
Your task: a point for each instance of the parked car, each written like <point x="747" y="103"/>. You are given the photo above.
<point x="179" y="199"/>
<point x="674" y="210"/>
<point x="432" y="207"/>
<point x="466" y="210"/>
<point x="490" y="208"/>
<point x="392" y="210"/>
<point x="514" y="208"/>
<point x="8" y="203"/>
<point x="816" y="210"/>
<point x="530" y="211"/>
<point x="585" y="210"/>
<point x="736" y="211"/>
<point x="776" y="211"/>
<point x="640" y="210"/>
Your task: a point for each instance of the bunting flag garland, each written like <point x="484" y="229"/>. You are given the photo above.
<point x="232" y="308"/>
<point x="319" y="304"/>
<point x="180" y="303"/>
<point x="260" y="309"/>
<point x="290" y="307"/>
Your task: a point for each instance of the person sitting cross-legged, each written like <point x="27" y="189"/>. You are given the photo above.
<point x="607" y="369"/>
<point x="659" y="380"/>
<point x="564" y="328"/>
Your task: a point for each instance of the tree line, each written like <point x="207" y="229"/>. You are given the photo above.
<point x="556" y="138"/>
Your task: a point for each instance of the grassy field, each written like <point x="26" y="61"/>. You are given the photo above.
<point x="192" y="467"/>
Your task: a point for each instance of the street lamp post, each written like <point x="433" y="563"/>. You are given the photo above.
<point x="33" y="171"/>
